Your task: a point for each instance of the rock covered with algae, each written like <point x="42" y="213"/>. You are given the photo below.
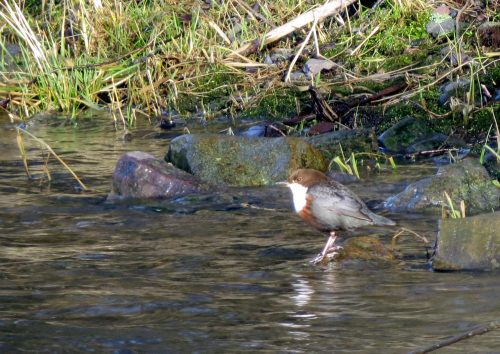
<point x="242" y="161"/>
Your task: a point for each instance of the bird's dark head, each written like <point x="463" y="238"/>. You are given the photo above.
<point x="307" y="177"/>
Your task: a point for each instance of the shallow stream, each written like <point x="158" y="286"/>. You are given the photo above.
<point x="206" y="274"/>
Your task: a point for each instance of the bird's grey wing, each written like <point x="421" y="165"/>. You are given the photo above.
<point x="339" y="200"/>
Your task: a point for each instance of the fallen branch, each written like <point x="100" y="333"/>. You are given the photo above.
<point x="300" y="21"/>
<point x="482" y="329"/>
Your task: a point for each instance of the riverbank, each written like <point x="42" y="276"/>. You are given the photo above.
<point x="371" y="64"/>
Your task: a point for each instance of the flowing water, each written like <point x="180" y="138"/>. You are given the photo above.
<point x="205" y="274"/>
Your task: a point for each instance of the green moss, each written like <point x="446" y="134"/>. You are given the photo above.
<point x="399" y="29"/>
<point x="277" y="104"/>
<point x="210" y="92"/>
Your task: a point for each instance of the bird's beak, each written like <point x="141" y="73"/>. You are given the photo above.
<point x="282" y="183"/>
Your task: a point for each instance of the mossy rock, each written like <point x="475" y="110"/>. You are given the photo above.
<point x="362" y="248"/>
<point x="367" y="248"/>
<point x="242" y="161"/>
<point x="467" y="180"/>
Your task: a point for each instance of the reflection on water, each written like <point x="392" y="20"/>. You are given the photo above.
<point x="205" y="274"/>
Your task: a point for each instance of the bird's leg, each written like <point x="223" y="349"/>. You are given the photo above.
<point x="328" y="246"/>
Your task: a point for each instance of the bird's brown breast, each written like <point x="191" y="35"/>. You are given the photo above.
<point x="307" y="215"/>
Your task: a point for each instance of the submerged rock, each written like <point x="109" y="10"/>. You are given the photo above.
<point x="467" y="180"/>
<point x="346" y="141"/>
<point x="362" y="248"/>
<point x="141" y="175"/>
<point x="242" y="161"/>
<point x="471" y="243"/>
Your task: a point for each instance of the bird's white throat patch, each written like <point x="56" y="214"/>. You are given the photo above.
<point x="299" y="195"/>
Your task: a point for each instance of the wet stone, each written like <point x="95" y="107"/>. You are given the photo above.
<point x="141" y="175"/>
<point x="471" y="243"/>
<point x="467" y="180"/>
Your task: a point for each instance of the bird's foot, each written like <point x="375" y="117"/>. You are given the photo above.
<point x="329" y="251"/>
<point x="327" y="255"/>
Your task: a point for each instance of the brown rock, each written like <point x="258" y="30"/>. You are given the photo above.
<point x="141" y="175"/>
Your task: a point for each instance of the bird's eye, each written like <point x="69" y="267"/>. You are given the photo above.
<point x="298" y="179"/>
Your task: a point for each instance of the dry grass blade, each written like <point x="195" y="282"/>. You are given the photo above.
<point x="296" y="57"/>
<point x="47" y="146"/>
<point x="403" y="231"/>
<point x="219" y="31"/>
<point x="453" y="212"/>
<point x="22" y="150"/>
<point x="372" y="33"/>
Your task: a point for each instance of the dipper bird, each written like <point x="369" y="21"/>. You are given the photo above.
<point x="329" y="206"/>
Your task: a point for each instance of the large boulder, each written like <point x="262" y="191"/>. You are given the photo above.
<point x="467" y="180"/>
<point x="141" y="175"/>
<point x="242" y="161"/>
<point x="471" y="243"/>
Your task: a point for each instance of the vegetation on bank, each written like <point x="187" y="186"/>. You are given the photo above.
<point x="161" y="58"/>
